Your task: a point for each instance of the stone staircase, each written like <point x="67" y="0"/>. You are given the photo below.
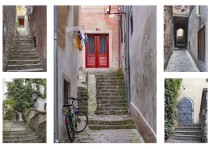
<point x="110" y="96"/>
<point x="18" y="132"/>
<point x="23" y="56"/>
<point x="111" y="111"/>
<point x="187" y="132"/>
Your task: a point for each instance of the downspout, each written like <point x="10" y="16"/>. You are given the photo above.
<point x="127" y="62"/>
<point x="118" y="41"/>
<point x="56" y="74"/>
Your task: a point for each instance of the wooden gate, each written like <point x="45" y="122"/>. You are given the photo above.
<point x="97" y="51"/>
<point x="185" y="110"/>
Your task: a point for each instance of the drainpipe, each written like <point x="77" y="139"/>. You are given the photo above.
<point x="127" y="62"/>
<point x="56" y="74"/>
<point x="118" y="41"/>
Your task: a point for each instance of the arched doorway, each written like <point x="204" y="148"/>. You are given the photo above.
<point x="180" y="38"/>
<point x="185" y="111"/>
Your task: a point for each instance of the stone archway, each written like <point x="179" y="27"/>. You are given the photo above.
<point x="185" y="111"/>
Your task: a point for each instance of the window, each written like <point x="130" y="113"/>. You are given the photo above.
<point x="66" y="89"/>
<point x="41" y="89"/>
<point x="33" y="86"/>
<point x="25" y="82"/>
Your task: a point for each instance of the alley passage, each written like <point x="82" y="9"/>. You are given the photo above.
<point x="23" y="56"/>
<point x="107" y="106"/>
<point x="18" y="132"/>
<point x="181" y="61"/>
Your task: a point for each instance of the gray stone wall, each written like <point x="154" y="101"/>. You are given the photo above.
<point x="168" y="34"/>
<point x="37" y="122"/>
<point x="204" y="116"/>
<point x="38" y="29"/>
<point x="142" y="46"/>
<point x="9" y="31"/>
<point x="194" y="25"/>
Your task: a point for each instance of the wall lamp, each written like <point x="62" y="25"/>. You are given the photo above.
<point x="120" y="10"/>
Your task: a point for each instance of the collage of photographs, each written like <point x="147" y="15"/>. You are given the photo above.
<point x="99" y="74"/>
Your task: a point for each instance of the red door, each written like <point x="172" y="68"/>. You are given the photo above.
<point x="97" y="51"/>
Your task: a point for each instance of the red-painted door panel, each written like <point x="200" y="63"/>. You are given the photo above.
<point x="97" y="51"/>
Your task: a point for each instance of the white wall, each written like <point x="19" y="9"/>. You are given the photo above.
<point x="193" y="88"/>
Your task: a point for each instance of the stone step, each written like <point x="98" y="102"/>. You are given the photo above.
<point x="24" y="66"/>
<point x="23" y="50"/>
<point x="15" y="129"/>
<point x="109" y="83"/>
<point x="188" y="128"/>
<point x="186" y="137"/>
<point x="109" y="76"/>
<point x="27" y="70"/>
<point x="198" y="133"/>
<point x="21" y="46"/>
<point x="20" y="56"/>
<point x="127" y="121"/>
<point x="112" y="102"/>
<point x="21" y="62"/>
<point x="18" y="134"/>
<point x="112" y="94"/>
<point x="112" y="108"/>
<point x="111" y="112"/>
<point x="189" y="125"/>
<point x="31" y="139"/>
<point x="22" y="43"/>
<point x="110" y="90"/>
<point x="110" y="87"/>
<point x="102" y="127"/>
<point x="110" y="98"/>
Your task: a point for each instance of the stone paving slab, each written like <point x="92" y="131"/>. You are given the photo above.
<point x="181" y="61"/>
<point x="109" y="136"/>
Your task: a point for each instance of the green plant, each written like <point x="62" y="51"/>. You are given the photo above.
<point x="8" y="106"/>
<point x="172" y="88"/>
<point x="22" y="94"/>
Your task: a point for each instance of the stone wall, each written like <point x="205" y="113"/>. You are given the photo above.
<point x="68" y="67"/>
<point x="168" y="34"/>
<point x="37" y="122"/>
<point x="9" y="31"/>
<point x="142" y="49"/>
<point x="38" y="29"/>
<point x="204" y="116"/>
<point x="194" y="25"/>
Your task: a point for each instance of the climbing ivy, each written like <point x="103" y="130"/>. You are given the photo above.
<point x="22" y="94"/>
<point x="172" y="88"/>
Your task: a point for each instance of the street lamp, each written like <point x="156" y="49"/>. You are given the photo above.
<point x="34" y="97"/>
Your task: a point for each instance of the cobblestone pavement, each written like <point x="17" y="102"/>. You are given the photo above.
<point x="109" y="136"/>
<point x="182" y="141"/>
<point x="181" y="61"/>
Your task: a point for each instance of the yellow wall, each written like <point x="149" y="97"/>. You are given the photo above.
<point x="192" y="88"/>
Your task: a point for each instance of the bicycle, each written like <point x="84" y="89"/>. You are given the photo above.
<point x="75" y="120"/>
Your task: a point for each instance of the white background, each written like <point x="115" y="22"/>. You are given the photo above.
<point x="50" y="76"/>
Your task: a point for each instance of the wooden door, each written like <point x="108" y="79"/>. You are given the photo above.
<point x="97" y="51"/>
<point x="201" y="44"/>
<point x="185" y="110"/>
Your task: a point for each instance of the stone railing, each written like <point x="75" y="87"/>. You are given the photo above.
<point x="37" y="122"/>
<point x="203" y="116"/>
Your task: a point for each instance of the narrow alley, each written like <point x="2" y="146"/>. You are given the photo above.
<point x="185" y="38"/>
<point x="100" y="62"/>
<point x="24" y="38"/>
<point x="181" y="61"/>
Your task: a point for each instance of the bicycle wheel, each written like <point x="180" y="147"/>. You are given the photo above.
<point x="82" y="121"/>
<point x="70" y="129"/>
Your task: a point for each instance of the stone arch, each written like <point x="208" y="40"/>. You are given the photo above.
<point x="185" y="111"/>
